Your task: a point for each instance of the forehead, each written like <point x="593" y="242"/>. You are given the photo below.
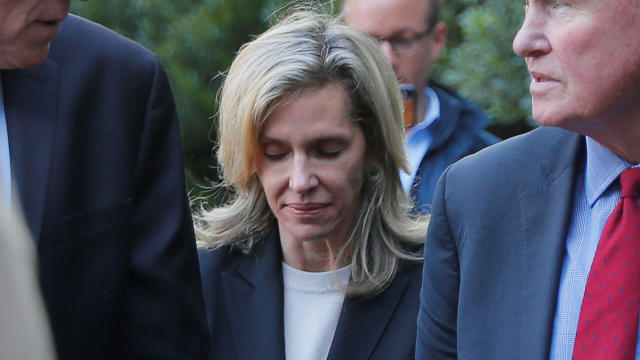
<point x="315" y="112"/>
<point x="384" y="17"/>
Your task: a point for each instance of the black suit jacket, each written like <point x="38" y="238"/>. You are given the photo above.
<point x="244" y="301"/>
<point x="495" y="248"/>
<point x="96" y="160"/>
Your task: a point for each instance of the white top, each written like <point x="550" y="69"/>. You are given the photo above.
<point x="5" y="163"/>
<point x="312" y="305"/>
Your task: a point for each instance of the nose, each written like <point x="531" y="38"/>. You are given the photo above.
<point x="302" y="178"/>
<point x="531" y="41"/>
<point x="388" y="51"/>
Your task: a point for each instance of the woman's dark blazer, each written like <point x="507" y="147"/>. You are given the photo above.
<point x="244" y="302"/>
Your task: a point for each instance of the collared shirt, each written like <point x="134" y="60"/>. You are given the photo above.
<point x="5" y="161"/>
<point x="419" y="138"/>
<point x="596" y="194"/>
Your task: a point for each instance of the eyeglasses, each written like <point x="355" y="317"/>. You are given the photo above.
<point x="404" y="46"/>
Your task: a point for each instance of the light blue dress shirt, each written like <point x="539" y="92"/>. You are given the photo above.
<point x="5" y="161"/>
<point x="596" y="194"/>
<point x="419" y="138"/>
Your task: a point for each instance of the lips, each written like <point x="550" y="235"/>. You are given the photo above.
<point x="49" y="22"/>
<point x="540" y="77"/>
<point x="306" y="209"/>
<point x="47" y="29"/>
<point x="542" y="83"/>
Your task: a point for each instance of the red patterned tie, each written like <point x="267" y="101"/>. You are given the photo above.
<point x="608" y="324"/>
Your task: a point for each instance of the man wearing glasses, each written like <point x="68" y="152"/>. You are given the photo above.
<point x="447" y="127"/>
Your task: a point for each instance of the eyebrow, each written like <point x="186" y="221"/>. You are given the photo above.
<point x="315" y="141"/>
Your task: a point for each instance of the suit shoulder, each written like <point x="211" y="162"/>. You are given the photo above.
<point x="530" y="148"/>
<point x="94" y="42"/>
<point x="511" y="164"/>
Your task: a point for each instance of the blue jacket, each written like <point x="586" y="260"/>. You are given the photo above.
<point x="459" y="133"/>
<point x="497" y="241"/>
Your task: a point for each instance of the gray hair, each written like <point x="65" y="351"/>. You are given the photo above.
<point x="309" y="49"/>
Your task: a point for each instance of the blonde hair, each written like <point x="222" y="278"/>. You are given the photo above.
<point x="309" y="49"/>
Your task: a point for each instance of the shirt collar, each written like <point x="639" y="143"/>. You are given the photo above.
<point x="603" y="168"/>
<point x="433" y="112"/>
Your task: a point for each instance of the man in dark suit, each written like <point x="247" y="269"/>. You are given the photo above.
<point x="93" y="147"/>
<point x="521" y="231"/>
<point x="447" y="127"/>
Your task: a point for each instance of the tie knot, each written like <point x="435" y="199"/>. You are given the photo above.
<point x="630" y="181"/>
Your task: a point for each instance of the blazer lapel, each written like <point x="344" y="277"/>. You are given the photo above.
<point x="254" y="298"/>
<point x="545" y="214"/>
<point x="362" y="322"/>
<point x="31" y="98"/>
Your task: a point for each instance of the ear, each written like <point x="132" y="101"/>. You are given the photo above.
<point x="439" y="40"/>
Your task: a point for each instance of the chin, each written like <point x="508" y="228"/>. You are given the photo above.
<point x="309" y="233"/>
<point x="567" y="121"/>
<point x="32" y="58"/>
<point x="547" y="115"/>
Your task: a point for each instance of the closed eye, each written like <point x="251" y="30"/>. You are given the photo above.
<point x="274" y="157"/>
<point x="274" y="151"/>
<point x="330" y="148"/>
<point x="329" y="154"/>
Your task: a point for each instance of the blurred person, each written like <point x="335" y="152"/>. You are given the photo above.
<point x="24" y="331"/>
<point x="446" y="127"/>
<point x="314" y="257"/>
<point x="89" y="135"/>
<point x="533" y="244"/>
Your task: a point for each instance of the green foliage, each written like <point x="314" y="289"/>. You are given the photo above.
<point x="196" y="41"/>
<point x="483" y="66"/>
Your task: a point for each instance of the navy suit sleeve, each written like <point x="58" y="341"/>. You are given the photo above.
<point x="164" y="311"/>
<point x="436" y="337"/>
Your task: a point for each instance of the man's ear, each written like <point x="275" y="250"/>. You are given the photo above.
<point x="439" y="40"/>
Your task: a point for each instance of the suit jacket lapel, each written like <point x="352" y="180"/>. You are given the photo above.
<point x="545" y="214"/>
<point x="362" y="322"/>
<point x="31" y="98"/>
<point x="254" y="298"/>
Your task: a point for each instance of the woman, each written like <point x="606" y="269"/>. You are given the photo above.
<point x="314" y="257"/>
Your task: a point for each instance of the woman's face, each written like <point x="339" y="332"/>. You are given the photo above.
<point x="311" y="166"/>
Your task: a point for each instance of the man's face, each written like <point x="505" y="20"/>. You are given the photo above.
<point x="26" y="30"/>
<point x="400" y="19"/>
<point x="584" y="60"/>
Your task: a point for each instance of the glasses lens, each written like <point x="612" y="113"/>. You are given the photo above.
<point x="404" y="46"/>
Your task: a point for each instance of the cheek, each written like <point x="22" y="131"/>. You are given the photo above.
<point x="354" y="182"/>
<point x="413" y="70"/>
<point x="598" y="80"/>
<point x="270" y="180"/>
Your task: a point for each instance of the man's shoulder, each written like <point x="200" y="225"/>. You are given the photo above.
<point x="450" y="98"/>
<point x="465" y="120"/>
<point x="84" y="39"/>
<point x="545" y="149"/>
